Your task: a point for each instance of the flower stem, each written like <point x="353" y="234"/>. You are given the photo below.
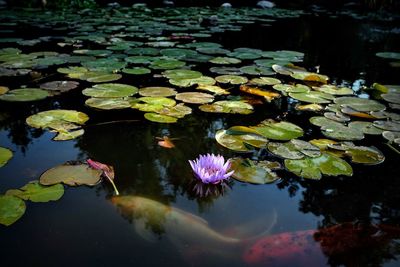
<point x="112" y="182"/>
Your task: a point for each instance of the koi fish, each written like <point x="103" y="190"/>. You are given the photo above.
<point x="186" y="231"/>
<point x="343" y="242"/>
<point x="166" y="142"/>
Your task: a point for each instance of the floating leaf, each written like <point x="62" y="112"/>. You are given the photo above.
<point x="312" y="97"/>
<point x="110" y="90"/>
<point x="232" y="79"/>
<point x="11" y="209"/>
<point x="61" y="120"/>
<point x="71" y="174"/>
<point x="108" y="103"/>
<point x="137" y="71"/>
<point x="5" y="156"/>
<point x="213" y="89"/>
<point x="365" y="155"/>
<point x="360" y="104"/>
<point x="243" y="142"/>
<point x="36" y="192"/>
<point x="391" y="97"/>
<point x="194" y="97"/>
<point x="390" y="55"/>
<point x="248" y="171"/>
<point x="203" y="80"/>
<point x="226" y="106"/>
<point x="181" y="74"/>
<point x="166" y="64"/>
<point x="309" y="107"/>
<point x="265" y="81"/>
<point x="256" y="70"/>
<point x="24" y="95"/>
<point x="334" y="90"/>
<point x="294" y="149"/>
<point x="387" y="125"/>
<point x="157" y="91"/>
<point x="225" y="60"/>
<point x="56" y="87"/>
<point x="154" y="117"/>
<point x="278" y="130"/>
<point x="313" y="168"/>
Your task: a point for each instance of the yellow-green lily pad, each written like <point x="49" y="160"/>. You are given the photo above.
<point x="24" y="95"/>
<point x="5" y="156"/>
<point x="155" y="117"/>
<point x="36" y="192"/>
<point x="248" y="171"/>
<point x="11" y="209"/>
<point x="194" y="97"/>
<point x="283" y="130"/>
<point x="110" y="90"/>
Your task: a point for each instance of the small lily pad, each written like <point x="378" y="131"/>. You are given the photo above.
<point x="36" y="192"/>
<point x="360" y="104"/>
<point x="155" y="117"/>
<point x="249" y="171"/>
<point x="294" y="149"/>
<point x="283" y="130"/>
<point x="108" y="103"/>
<point x="313" y="168"/>
<point x="136" y="71"/>
<point x="157" y="91"/>
<point x="194" y="97"/>
<point x="5" y="156"/>
<point x="11" y="209"/>
<point x="56" y="87"/>
<point x="71" y="174"/>
<point x="110" y="90"/>
<point x="312" y="97"/>
<point x="232" y="79"/>
<point x="228" y="106"/>
<point x="25" y="95"/>
<point x="264" y="81"/>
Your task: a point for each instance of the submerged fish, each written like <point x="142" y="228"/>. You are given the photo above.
<point x="190" y="233"/>
<point x="345" y="243"/>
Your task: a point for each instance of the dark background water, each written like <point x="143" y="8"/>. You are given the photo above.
<point x="85" y="229"/>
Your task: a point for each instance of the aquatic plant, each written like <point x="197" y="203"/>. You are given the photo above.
<point x="211" y="169"/>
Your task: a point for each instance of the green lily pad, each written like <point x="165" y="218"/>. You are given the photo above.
<point x="203" y="80"/>
<point x="391" y="97"/>
<point x="243" y="142"/>
<point x="36" y="192"/>
<point x="232" y="79"/>
<point x="56" y="87"/>
<point x="387" y="125"/>
<point x="334" y="90"/>
<point x="392" y="137"/>
<point x="336" y="130"/>
<point x="194" y="97"/>
<point x="66" y="122"/>
<point x="157" y="91"/>
<point x="365" y="155"/>
<point x="25" y="95"/>
<point x="226" y="70"/>
<point x="108" y="103"/>
<point x="228" y="106"/>
<point x="167" y="64"/>
<point x="5" y="156"/>
<point x="248" y="171"/>
<point x="110" y="90"/>
<point x="314" y="168"/>
<point x="137" y="71"/>
<point x="289" y="88"/>
<point x="312" y="97"/>
<point x="225" y="60"/>
<point x="181" y="74"/>
<point x="178" y="111"/>
<point x="11" y="209"/>
<point x="265" y="81"/>
<point x="155" y="117"/>
<point x="97" y="77"/>
<point x="360" y="104"/>
<point x="366" y="127"/>
<point x="283" y="130"/>
<point x="71" y="174"/>
<point x="294" y="149"/>
<point x="256" y="70"/>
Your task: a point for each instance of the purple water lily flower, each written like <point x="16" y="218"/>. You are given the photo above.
<point x="211" y="169"/>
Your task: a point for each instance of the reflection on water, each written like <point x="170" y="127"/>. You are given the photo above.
<point x="85" y="228"/>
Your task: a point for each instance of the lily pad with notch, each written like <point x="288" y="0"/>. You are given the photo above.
<point x="248" y="171"/>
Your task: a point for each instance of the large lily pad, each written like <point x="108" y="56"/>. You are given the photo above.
<point x="312" y="97"/>
<point x="360" y="104"/>
<point x="108" y="103"/>
<point x="71" y="174"/>
<point x="160" y="118"/>
<point x="66" y="122"/>
<point x="5" y="156"/>
<point x="240" y="139"/>
<point x="194" y="97"/>
<point x="25" y="95"/>
<point x="283" y="130"/>
<point x="11" y="209"/>
<point x="157" y="91"/>
<point x="110" y="90"/>
<point x="365" y="155"/>
<point x="248" y="171"/>
<point x="36" y="192"/>
<point x="294" y="149"/>
<point x="228" y="106"/>
<point x="314" y="168"/>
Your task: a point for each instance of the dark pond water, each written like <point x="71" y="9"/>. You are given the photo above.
<point x="84" y="228"/>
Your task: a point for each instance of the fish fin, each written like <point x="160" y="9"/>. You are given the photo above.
<point x="143" y="232"/>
